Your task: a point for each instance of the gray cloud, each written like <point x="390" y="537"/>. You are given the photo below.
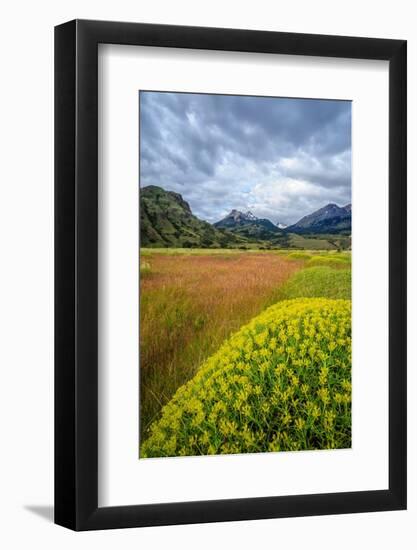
<point x="279" y="157"/>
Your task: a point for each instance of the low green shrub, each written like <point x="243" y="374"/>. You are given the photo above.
<point x="299" y="256"/>
<point x="330" y="261"/>
<point x="317" y="282"/>
<point x="281" y="383"/>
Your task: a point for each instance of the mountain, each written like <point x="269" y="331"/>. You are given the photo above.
<point x="235" y="217"/>
<point x="331" y="219"/>
<point x="246" y="225"/>
<point x="281" y="225"/>
<point x="166" y="220"/>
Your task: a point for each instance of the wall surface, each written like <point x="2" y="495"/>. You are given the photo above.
<point x="26" y="289"/>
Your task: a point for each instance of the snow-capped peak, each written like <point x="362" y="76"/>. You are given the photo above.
<point x="250" y="216"/>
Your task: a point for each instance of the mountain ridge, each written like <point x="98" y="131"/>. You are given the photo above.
<point x="246" y="224"/>
<point x="331" y="218"/>
<point x="166" y="220"/>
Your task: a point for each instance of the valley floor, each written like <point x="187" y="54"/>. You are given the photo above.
<point x="191" y="300"/>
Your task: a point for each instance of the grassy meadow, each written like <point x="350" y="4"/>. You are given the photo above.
<point x="193" y="300"/>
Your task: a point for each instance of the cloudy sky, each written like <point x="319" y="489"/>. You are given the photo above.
<point x="279" y="158"/>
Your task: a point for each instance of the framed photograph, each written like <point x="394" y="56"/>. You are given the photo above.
<point x="230" y="254"/>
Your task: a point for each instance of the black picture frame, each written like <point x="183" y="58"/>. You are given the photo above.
<point x="76" y="272"/>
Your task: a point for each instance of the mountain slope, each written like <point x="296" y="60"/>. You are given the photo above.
<point x="331" y="219"/>
<point x="166" y="220"/>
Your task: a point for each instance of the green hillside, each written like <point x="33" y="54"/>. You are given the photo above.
<point x="166" y="220"/>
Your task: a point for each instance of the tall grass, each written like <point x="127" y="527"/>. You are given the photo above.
<point x="145" y="269"/>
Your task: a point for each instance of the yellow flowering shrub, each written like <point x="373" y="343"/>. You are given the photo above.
<point x="281" y="383"/>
